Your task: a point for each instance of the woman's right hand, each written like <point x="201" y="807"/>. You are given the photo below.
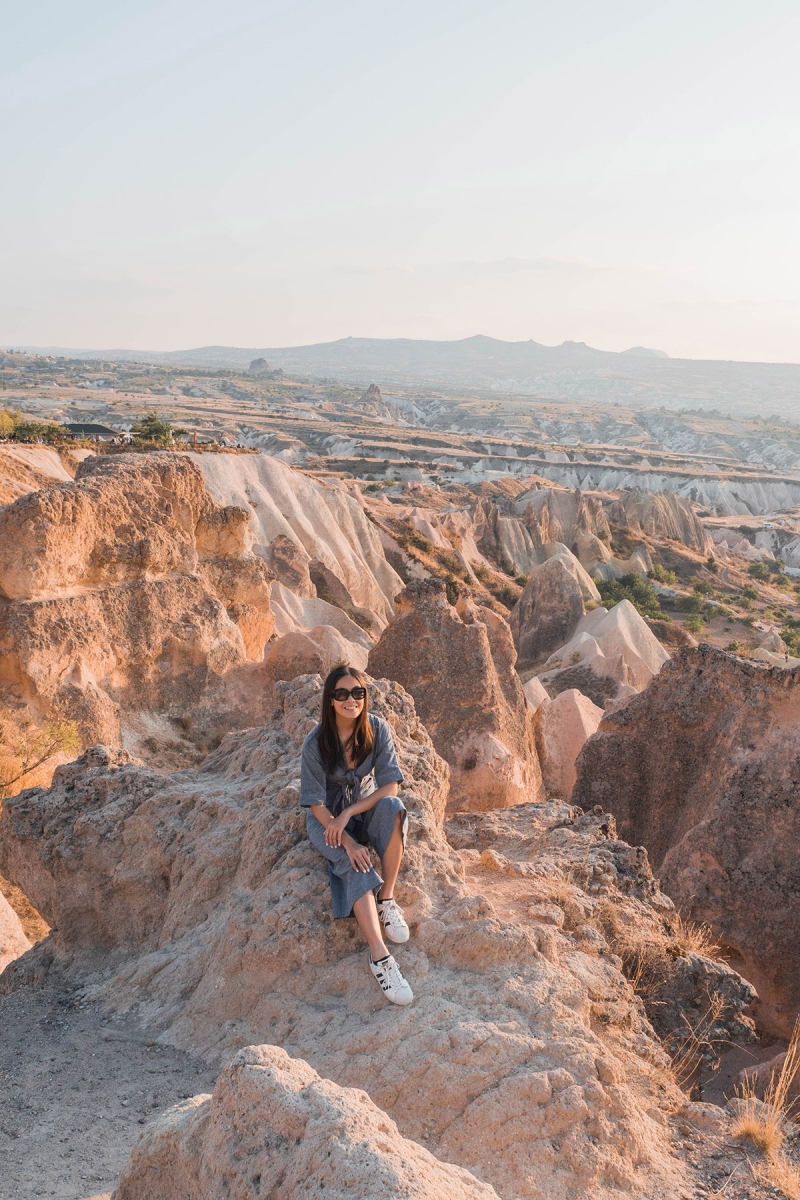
<point x="358" y="855"/>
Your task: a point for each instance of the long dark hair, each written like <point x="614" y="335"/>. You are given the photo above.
<point x="360" y="741"/>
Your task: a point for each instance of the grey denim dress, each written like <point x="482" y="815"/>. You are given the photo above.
<point x="337" y="791"/>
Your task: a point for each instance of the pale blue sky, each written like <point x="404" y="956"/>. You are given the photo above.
<point x="183" y="173"/>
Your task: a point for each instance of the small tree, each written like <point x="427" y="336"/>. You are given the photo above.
<point x="159" y="432"/>
<point x="24" y="747"/>
<point x="9" y="419"/>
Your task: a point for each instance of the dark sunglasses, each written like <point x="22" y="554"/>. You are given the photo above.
<point x="342" y="694"/>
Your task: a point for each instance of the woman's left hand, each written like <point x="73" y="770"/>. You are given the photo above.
<point x="333" y="834"/>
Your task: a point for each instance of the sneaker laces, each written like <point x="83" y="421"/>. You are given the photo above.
<point x="389" y="910"/>
<point x="394" y="977"/>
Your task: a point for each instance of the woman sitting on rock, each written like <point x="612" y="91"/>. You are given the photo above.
<point x="349" y="781"/>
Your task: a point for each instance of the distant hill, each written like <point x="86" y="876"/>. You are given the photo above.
<point x="571" y="371"/>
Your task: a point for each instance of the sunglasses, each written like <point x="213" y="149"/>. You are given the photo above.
<point x="342" y="694"/>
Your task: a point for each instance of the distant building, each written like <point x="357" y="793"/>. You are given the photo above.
<point x="85" y="430"/>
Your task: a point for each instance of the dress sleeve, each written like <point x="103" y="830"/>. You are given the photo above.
<point x="386" y="767"/>
<point x="312" y="774"/>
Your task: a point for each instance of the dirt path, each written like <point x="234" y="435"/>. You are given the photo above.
<point x="76" y="1087"/>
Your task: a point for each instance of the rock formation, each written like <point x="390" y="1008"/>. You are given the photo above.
<point x="25" y="468"/>
<point x="323" y="520"/>
<point x="13" y="941"/>
<point x="195" y="903"/>
<point x="130" y="590"/>
<point x="274" y="1129"/>
<point x="703" y="770"/>
<point x="458" y="664"/>
<point x="661" y="515"/>
<point x="548" y="611"/>
<point x="562" y="727"/>
<point x="616" y="643"/>
<point x="561" y="515"/>
<point x="535" y="693"/>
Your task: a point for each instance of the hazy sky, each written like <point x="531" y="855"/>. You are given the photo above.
<point x="268" y="173"/>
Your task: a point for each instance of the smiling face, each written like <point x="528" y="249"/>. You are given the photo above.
<point x="348" y="709"/>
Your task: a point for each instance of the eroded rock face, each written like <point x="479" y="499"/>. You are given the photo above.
<point x="195" y="903"/>
<point x="702" y="768"/>
<point x="662" y="515"/>
<point x="562" y="727"/>
<point x="617" y="644"/>
<point x="131" y="589"/>
<point x="458" y="664"/>
<point x="274" y="1125"/>
<point x="323" y="520"/>
<point x="13" y="941"/>
<point x="548" y="611"/>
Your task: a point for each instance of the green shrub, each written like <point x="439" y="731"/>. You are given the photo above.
<point x="153" y="429"/>
<point x="702" y="587"/>
<point x="662" y="575"/>
<point x="694" y="623"/>
<point x="758" y="570"/>
<point x="749" y="592"/>
<point x="631" y="587"/>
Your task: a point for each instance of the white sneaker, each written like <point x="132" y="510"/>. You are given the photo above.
<point x="393" y="985"/>
<point x="391" y="918"/>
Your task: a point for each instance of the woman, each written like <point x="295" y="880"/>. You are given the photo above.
<point x="349" y="782"/>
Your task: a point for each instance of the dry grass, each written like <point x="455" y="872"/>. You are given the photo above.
<point x="691" y="938"/>
<point x="764" y="1122"/>
<point x="779" y="1173"/>
<point x="688" y="1051"/>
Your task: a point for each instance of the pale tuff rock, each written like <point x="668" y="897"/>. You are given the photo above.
<point x="549" y="610"/>
<point x="639" y="563"/>
<point x="587" y="585"/>
<point x="535" y="693"/>
<point x="289" y="564"/>
<point x="458" y="663"/>
<point x="296" y="614"/>
<point x="195" y="903"/>
<point x="702" y="770"/>
<point x="24" y="469"/>
<point x="616" y="642"/>
<point x="661" y="515"/>
<point x="131" y="590"/>
<point x="274" y="1125"/>
<point x="562" y="727"/>
<point x="13" y="941"/>
<point x="558" y="515"/>
<point x="773" y="650"/>
<point x="322" y="519"/>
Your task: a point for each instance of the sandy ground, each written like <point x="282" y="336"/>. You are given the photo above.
<point x="76" y="1089"/>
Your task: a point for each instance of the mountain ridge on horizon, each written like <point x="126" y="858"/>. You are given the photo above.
<point x="638" y="376"/>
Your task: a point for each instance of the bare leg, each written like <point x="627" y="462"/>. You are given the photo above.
<point x="366" y="913"/>
<point x="390" y="863"/>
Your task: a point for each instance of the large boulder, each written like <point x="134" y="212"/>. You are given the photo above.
<point x="131" y="590"/>
<point x="562" y="726"/>
<point x="458" y="664"/>
<point x="561" y="729"/>
<point x="273" y="1128"/>
<point x="195" y="903"/>
<point x="548" y="611"/>
<point x="702" y="768"/>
